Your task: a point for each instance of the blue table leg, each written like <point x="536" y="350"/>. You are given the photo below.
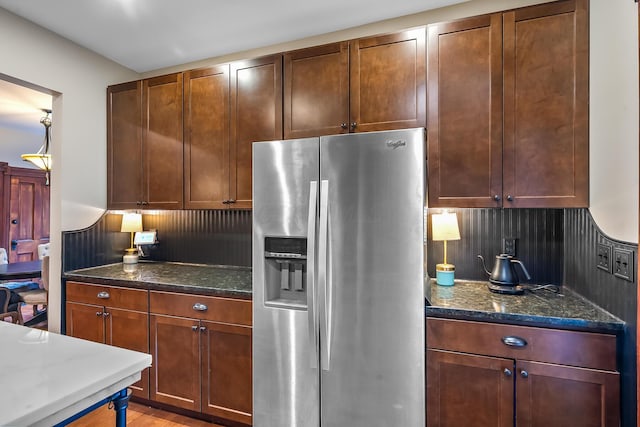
<point x="120" y="404"/>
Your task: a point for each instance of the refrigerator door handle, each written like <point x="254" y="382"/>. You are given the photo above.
<point x="311" y="272"/>
<point x="324" y="279"/>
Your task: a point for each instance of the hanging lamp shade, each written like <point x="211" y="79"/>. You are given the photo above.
<point x="42" y="159"/>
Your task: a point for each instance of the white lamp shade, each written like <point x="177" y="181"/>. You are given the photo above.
<point x="444" y="226"/>
<point x="131" y="222"/>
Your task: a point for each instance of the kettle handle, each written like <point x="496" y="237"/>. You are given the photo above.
<point x="526" y="273"/>
<point x="483" y="265"/>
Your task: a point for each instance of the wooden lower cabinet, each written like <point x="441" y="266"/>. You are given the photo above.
<point x="110" y="315"/>
<point x="203" y="362"/>
<point x="467" y="387"/>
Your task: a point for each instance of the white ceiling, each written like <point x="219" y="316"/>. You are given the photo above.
<point x="146" y="35"/>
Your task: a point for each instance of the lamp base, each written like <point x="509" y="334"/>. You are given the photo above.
<point x="131" y="256"/>
<point x="445" y="274"/>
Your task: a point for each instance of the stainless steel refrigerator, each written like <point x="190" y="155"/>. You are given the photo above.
<point x="338" y="295"/>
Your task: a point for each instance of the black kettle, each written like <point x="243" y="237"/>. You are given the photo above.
<point x="504" y="279"/>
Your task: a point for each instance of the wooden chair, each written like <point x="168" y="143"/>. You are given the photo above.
<point x="38" y="297"/>
<point x="8" y="309"/>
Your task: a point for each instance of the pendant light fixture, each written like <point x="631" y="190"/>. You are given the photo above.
<point x="42" y="159"/>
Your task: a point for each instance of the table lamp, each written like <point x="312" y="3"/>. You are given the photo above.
<point x="444" y="227"/>
<point x="131" y="222"/>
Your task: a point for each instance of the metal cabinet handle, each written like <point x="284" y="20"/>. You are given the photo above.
<point x="203" y="328"/>
<point x="496" y="197"/>
<point x="524" y="374"/>
<point x="513" y="341"/>
<point x="98" y="313"/>
<point x="343" y="125"/>
<point x="103" y="295"/>
<point x="199" y="307"/>
<point x="510" y="197"/>
<point x="507" y="372"/>
<point x="106" y="314"/>
<point x="194" y="328"/>
<point x="353" y="125"/>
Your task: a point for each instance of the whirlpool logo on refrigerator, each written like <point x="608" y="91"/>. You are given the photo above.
<point x="396" y="144"/>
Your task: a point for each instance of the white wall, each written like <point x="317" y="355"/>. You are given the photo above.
<point x="79" y="78"/>
<point x="78" y="81"/>
<point x="613" y="117"/>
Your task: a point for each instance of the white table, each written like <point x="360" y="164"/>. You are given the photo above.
<point x="47" y="378"/>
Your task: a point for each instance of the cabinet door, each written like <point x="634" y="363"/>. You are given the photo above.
<point x="256" y="115"/>
<point x="388" y="82"/>
<point x="175" y="373"/>
<point x="85" y="321"/>
<point x="469" y="390"/>
<point x="124" y="145"/>
<point x="130" y="329"/>
<point x="464" y="123"/>
<point x="558" y="396"/>
<point x="546" y="95"/>
<point x="316" y="91"/>
<point x="162" y="136"/>
<point x="206" y="138"/>
<point x="226" y="371"/>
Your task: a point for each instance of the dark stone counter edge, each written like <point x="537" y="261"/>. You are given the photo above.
<point x="583" y="325"/>
<point x="187" y="289"/>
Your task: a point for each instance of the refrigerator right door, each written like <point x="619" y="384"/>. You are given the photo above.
<point x="370" y="279"/>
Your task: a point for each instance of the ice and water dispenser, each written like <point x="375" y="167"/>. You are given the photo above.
<point x="285" y="260"/>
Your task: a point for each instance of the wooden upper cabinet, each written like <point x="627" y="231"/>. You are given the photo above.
<point x="464" y="122"/>
<point x="162" y="136"/>
<point x="144" y="144"/>
<point x="206" y="138"/>
<point x="387" y="81"/>
<point x="256" y="115"/>
<point x="546" y="93"/>
<point x="316" y="91"/>
<point x="508" y="109"/>
<point x="124" y="145"/>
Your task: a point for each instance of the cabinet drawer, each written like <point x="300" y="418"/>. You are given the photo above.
<point x="584" y="349"/>
<point x="216" y="309"/>
<point x="109" y="296"/>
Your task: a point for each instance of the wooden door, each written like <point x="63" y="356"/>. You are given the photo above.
<point x="559" y="396"/>
<point x="206" y="138"/>
<point x="469" y="390"/>
<point x="256" y="115"/>
<point x="226" y="371"/>
<point x="316" y="91"/>
<point x="124" y="145"/>
<point x="85" y="321"/>
<point x="175" y="372"/>
<point x="546" y="98"/>
<point x="129" y="329"/>
<point x="464" y="122"/>
<point x="162" y="136"/>
<point x="28" y="213"/>
<point x="388" y="82"/>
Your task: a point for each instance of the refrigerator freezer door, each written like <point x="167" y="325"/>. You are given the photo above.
<point x="285" y="361"/>
<point x="372" y="306"/>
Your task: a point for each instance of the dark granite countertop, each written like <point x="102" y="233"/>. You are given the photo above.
<point x="200" y="279"/>
<point x="564" y="309"/>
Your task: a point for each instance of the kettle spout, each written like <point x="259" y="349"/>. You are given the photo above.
<point x="484" y="266"/>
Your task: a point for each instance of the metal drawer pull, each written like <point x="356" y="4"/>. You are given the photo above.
<point x="199" y="307"/>
<point x="98" y="313"/>
<point x="507" y="372"/>
<point x="203" y="328"/>
<point x="194" y="327"/>
<point x="103" y="295"/>
<point x="105" y="314"/>
<point x="512" y="341"/>
<point x="524" y="374"/>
